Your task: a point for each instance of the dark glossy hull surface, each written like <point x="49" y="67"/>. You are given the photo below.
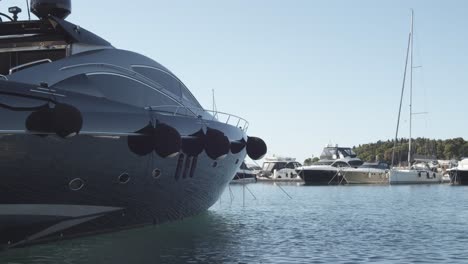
<point x="459" y="177"/>
<point x="321" y="177"/>
<point x="53" y="188"/>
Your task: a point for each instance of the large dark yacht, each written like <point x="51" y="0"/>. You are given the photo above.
<point x="459" y="174"/>
<point x="330" y="168"/>
<point x="95" y="139"/>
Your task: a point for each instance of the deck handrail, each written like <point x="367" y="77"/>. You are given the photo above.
<point x="19" y="67"/>
<point x="197" y="112"/>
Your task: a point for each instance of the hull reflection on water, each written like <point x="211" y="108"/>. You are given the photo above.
<point x="207" y="238"/>
<point x="320" y="224"/>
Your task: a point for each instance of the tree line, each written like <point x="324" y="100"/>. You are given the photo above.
<point x="449" y="149"/>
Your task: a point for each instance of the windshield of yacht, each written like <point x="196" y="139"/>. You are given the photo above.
<point x="347" y="152"/>
<point x="381" y="165"/>
<point x="355" y="163"/>
<point x="270" y="166"/>
<point x="420" y="166"/>
<point x="324" y="162"/>
<point x="328" y="153"/>
<point x="337" y="153"/>
<point x="341" y="164"/>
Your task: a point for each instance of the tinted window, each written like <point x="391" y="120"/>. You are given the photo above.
<point x="279" y="165"/>
<point x="128" y="91"/>
<point x="384" y="166"/>
<point x="355" y="163"/>
<point x="79" y="84"/>
<point x="188" y="97"/>
<point x="340" y="164"/>
<point x="323" y="162"/>
<point x="165" y="80"/>
<point x="347" y="152"/>
<point x="370" y="166"/>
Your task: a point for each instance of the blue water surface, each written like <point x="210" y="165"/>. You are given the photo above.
<point x="260" y="223"/>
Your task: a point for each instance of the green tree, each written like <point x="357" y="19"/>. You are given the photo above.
<point x="441" y="149"/>
<point x="310" y="161"/>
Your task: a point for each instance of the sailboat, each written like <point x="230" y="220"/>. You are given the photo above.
<point x="417" y="172"/>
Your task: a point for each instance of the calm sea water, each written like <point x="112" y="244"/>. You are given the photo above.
<point x="327" y="224"/>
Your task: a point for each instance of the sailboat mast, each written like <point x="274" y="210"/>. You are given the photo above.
<point x="411" y="89"/>
<point x="214" y="102"/>
<point x="401" y="99"/>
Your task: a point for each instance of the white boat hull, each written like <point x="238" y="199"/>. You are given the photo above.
<point x="414" y="177"/>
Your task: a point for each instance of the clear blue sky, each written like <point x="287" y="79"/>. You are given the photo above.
<point x="304" y="73"/>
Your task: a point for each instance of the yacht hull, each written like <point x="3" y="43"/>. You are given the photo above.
<point x="357" y="176"/>
<point x="53" y="188"/>
<point x="459" y="177"/>
<point x="414" y="177"/>
<point x="129" y="112"/>
<point x="321" y="177"/>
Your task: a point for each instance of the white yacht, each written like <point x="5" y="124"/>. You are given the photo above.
<point x="280" y="168"/>
<point x="254" y="167"/>
<point x="330" y="168"/>
<point x="368" y="173"/>
<point x="418" y="172"/>
<point x="245" y="175"/>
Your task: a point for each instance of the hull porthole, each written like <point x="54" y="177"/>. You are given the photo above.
<point x="156" y="173"/>
<point x="76" y="184"/>
<point x="124" y="178"/>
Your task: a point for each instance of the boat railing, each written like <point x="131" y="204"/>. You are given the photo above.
<point x="197" y="112"/>
<point x="29" y="64"/>
<point x="3" y="77"/>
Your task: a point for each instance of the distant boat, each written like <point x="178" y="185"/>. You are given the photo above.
<point x="331" y="166"/>
<point x="280" y="168"/>
<point x="418" y="172"/>
<point x="245" y="175"/>
<point x="254" y="167"/>
<point x="368" y="173"/>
